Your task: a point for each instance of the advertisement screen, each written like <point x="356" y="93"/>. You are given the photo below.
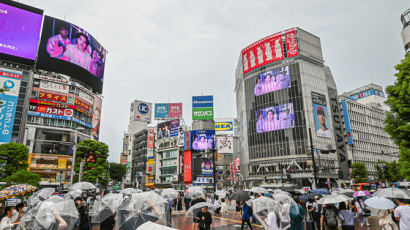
<point x="321" y="115"/>
<point x="19" y="30"/>
<point x="69" y="49"/>
<point x="10" y="80"/>
<point x="262" y="52"/>
<point x="272" y="80"/>
<point x="187" y="166"/>
<point x="203" y="140"/>
<point x="275" y="118"/>
<point x="95" y="132"/>
<point x="207" y="167"/>
<point x="225" y="144"/>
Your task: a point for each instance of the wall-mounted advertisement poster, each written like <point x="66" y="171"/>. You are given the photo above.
<point x="322" y="123"/>
<point x="225" y="144"/>
<point x="207" y="167"/>
<point x="275" y="118"/>
<point x="291" y="43"/>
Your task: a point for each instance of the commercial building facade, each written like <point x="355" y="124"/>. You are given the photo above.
<point x="283" y="93"/>
<point x="364" y="112"/>
<point x="405" y="33"/>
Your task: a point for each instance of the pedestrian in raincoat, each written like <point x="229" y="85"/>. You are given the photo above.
<point x="297" y="215"/>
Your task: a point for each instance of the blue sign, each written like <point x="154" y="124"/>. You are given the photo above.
<point x="347" y="123"/>
<point x="143" y="108"/>
<point x="367" y="93"/>
<point x="7" y="111"/>
<point x="54" y="116"/>
<point x="202" y="101"/>
<point x="161" y="110"/>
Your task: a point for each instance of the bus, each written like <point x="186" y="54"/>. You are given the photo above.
<point x="361" y="186"/>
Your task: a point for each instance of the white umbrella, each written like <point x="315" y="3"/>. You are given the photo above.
<point x="258" y="190"/>
<point x="82" y="186"/>
<point x="109" y="205"/>
<point x="331" y="199"/>
<point x="379" y="203"/>
<point x="193" y="210"/>
<point x="153" y="226"/>
<point x="53" y="206"/>
<point x="393" y="193"/>
<point x="195" y="192"/>
<point x="169" y="193"/>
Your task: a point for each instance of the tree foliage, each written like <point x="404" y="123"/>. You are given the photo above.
<point x="360" y="174"/>
<point x="117" y="171"/>
<point x="23" y="176"/>
<point x="13" y="157"/>
<point x="398" y="118"/>
<point x="94" y="154"/>
<point x="388" y="171"/>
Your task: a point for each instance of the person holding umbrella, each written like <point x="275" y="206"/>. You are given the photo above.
<point x="362" y="211"/>
<point x="246" y="215"/>
<point x="204" y="219"/>
<point x="6" y="223"/>
<point x="347" y="217"/>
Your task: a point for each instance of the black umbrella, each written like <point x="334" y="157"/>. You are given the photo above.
<point x="240" y="196"/>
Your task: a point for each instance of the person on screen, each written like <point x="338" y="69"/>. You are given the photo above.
<point x="284" y="80"/>
<point x="259" y="123"/>
<point x="267" y="87"/>
<point x="269" y="124"/>
<point x="281" y="123"/>
<point x="57" y="44"/>
<point x="96" y="65"/>
<point x="203" y="144"/>
<point x="78" y="53"/>
<point x="258" y="87"/>
<point x="159" y="134"/>
<point x="323" y="131"/>
<point x="195" y="143"/>
<point x="287" y="119"/>
<point x="274" y="83"/>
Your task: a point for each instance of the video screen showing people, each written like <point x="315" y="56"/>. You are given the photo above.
<point x="275" y="118"/>
<point x="272" y="80"/>
<point x="73" y="44"/>
<point x="203" y="140"/>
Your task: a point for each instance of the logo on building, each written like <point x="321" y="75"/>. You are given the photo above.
<point x="223" y="126"/>
<point x="143" y="108"/>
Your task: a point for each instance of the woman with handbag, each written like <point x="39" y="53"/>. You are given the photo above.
<point x="363" y="212"/>
<point x="385" y="220"/>
<point x="204" y="219"/>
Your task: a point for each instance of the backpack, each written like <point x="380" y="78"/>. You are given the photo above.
<point x="330" y="217"/>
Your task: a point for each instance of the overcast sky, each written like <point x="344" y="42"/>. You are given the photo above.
<point x="171" y="50"/>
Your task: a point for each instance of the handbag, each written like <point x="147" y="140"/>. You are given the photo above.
<point x="202" y="225"/>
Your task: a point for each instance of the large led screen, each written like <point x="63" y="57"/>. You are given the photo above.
<point x="203" y="140"/>
<point x="272" y="80"/>
<point x="69" y="49"/>
<point x="322" y="122"/>
<point x="275" y="118"/>
<point x="19" y="31"/>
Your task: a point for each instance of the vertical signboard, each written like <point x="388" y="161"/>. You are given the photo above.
<point x="187" y="167"/>
<point x="291" y="43"/>
<point x="187" y="141"/>
<point x="10" y="80"/>
<point x="151" y="137"/>
<point x="347" y="122"/>
<point x="96" y="118"/>
<point x="202" y="108"/>
<point x="321" y="115"/>
<point x="338" y="133"/>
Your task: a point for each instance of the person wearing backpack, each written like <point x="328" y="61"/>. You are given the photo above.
<point x="328" y="219"/>
<point x="347" y="217"/>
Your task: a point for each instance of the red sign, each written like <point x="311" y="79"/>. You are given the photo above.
<point x="291" y="43"/>
<point x="52" y="97"/>
<point x="151" y="136"/>
<point x="238" y="164"/>
<point x="262" y="52"/>
<point x="175" y="110"/>
<point x="10" y="75"/>
<point x="58" y="105"/>
<point x="55" y="111"/>
<point x="81" y="104"/>
<point x="187" y="167"/>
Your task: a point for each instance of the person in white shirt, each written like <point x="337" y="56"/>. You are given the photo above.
<point x="402" y="214"/>
<point x="272" y="221"/>
<point x="284" y="216"/>
<point x="323" y="131"/>
<point x="6" y="223"/>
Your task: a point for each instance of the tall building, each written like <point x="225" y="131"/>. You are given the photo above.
<point x="285" y="96"/>
<point x="364" y="113"/>
<point x="54" y="104"/>
<point x="405" y="33"/>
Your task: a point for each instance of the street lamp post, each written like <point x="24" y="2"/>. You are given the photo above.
<point x="74" y="154"/>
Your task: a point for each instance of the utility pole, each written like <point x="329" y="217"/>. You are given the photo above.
<point x="313" y="158"/>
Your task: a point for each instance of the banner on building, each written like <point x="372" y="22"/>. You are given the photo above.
<point x="187" y="167"/>
<point x="151" y="137"/>
<point x="168" y="110"/>
<point x="347" y="122"/>
<point x="291" y="43"/>
<point x="168" y="129"/>
<point x="95" y="132"/>
<point x="225" y="144"/>
<point x="321" y="115"/>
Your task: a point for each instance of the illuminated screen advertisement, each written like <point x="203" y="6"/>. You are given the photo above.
<point x="225" y="144"/>
<point x="262" y="52"/>
<point x="207" y="167"/>
<point x="275" y="118"/>
<point x="203" y="140"/>
<point x="19" y="30"/>
<point x="321" y="115"/>
<point x="272" y="80"/>
<point x="69" y="49"/>
<point x="10" y="80"/>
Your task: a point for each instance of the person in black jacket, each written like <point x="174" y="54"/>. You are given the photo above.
<point x="204" y="219"/>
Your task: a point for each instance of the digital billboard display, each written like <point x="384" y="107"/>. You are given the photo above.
<point x="272" y="80"/>
<point x="203" y="140"/>
<point x="20" y="27"/>
<point x="69" y="49"/>
<point x="322" y="123"/>
<point x="95" y="132"/>
<point x="207" y="167"/>
<point x="275" y="118"/>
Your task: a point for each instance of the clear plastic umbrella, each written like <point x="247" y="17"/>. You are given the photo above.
<point x="154" y="226"/>
<point x="169" y="194"/>
<point x="379" y="203"/>
<point x="128" y="191"/>
<point x="57" y="212"/>
<point x="73" y="194"/>
<point x="332" y="199"/>
<point x="269" y="209"/>
<point x="82" y="186"/>
<point x="393" y="193"/>
<point x="258" y="190"/>
<point x="196" y="208"/>
<point x="40" y="195"/>
<point x="195" y="192"/>
<point x="109" y="205"/>
<point x="140" y="208"/>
